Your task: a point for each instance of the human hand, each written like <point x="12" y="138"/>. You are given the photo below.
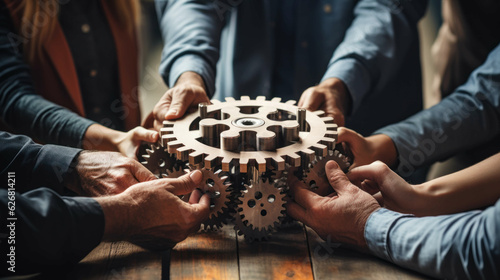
<point x="128" y="143"/>
<point x="368" y="149"/>
<point x="188" y="91"/>
<point x="152" y="215"/>
<point x="106" y="173"/>
<point x="390" y="190"/>
<point x="341" y="217"/>
<point x="331" y="96"/>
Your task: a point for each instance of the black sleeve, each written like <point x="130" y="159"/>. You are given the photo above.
<point x="46" y="230"/>
<point x="35" y="165"/>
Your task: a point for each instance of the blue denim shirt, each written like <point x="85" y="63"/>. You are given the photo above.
<point x="370" y="45"/>
<point x="457" y="246"/>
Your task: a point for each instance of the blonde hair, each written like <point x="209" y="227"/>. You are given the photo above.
<point x="38" y="18"/>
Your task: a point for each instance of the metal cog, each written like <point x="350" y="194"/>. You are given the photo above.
<point x="261" y="208"/>
<point x="316" y="177"/>
<point x="176" y="172"/>
<point x="158" y="159"/>
<point x="215" y="185"/>
<point x="250" y="133"/>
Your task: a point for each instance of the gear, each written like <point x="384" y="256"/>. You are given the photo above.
<point x="176" y="172"/>
<point x="246" y="133"/>
<point x="316" y="177"/>
<point x="157" y="159"/>
<point x="261" y="208"/>
<point x="215" y="185"/>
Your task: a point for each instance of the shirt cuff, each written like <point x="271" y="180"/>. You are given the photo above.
<point x="191" y="63"/>
<point x="377" y="230"/>
<point x="54" y="165"/>
<point x="354" y="75"/>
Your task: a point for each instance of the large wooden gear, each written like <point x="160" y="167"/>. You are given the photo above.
<point x="256" y="142"/>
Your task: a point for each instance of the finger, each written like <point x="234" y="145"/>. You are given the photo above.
<point x="142" y="134"/>
<point x="202" y="208"/>
<point x="140" y="172"/>
<point x="184" y="184"/>
<point x="195" y="196"/>
<point x="380" y="199"/>
<point x="303" y="196"/>
<point x="338" y="116"/>
<point x="297" y="212"/>
<point x="369" y="186"/>
<point x="348" y="135"/>
<point x="313" y="101"/>
<point x="366" y="172"/>
<point x="337" y="178"/>
<point x="161" y="108"/>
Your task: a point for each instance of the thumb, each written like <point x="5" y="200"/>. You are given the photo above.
<point x="178" y="106"/>
<point x="337" y="178"/>
<point x="141" y="173"/>
<point x="141" y="134"/>
<point x="185" y="184"/>
<point x="349" y="136"/>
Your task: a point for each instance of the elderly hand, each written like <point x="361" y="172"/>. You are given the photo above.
<point x="107" y="173"/>
<point x="188" y="91"/>
<point x="330" y="96"/>
<point x="341" y="217"/>
<point x="152" y="215"/>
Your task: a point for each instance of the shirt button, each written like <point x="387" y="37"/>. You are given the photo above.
<point x="85" y="28"/>
<point x="327" y="8"/>
<point x="93" y="73"/>
<point x="304" y="44"/>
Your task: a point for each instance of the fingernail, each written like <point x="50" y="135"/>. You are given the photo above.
<point x="196" y="176"/>
<point x="171" y="112"/>
<point x="332" y="164"/>
<point x="153" y="135"/>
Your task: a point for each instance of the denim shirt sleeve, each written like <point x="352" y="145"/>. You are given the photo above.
<point x="374" y="45"/>
<point x="457" y="246"/>
<point x="190" y="45"/>
<point x="21" y="108"/>
<point x="467" y="118"/>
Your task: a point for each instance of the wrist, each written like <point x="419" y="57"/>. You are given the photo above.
<point x="117" y="212"/>
<point x="191" y="78"/>
<point x="98" y="137"/>
<point x="340" y="91"/>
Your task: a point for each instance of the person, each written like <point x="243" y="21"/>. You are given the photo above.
<point x="364" y="55"/>
<point x="43" y="228"/>
<point x="71" y="73"/>
<point x="463" y="245"/>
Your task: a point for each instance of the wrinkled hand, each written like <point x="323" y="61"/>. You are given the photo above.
<point x="330" y="96"/>
<point x="368" y="149"/>
<point x="390" y="190"/>
<point x="107" y="173"/>
<point x="152" y="215"/>
<point x="188" y="92"/>
<point x="128" y="143"/>
<point x="342" y="217"/>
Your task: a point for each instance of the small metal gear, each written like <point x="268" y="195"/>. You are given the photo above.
<point x="316" y="177"/>
<point x="261" y="208"/>
<point x="215" y="185"/>
<point x="176" y="172"/>
<point x="157" y="159"/>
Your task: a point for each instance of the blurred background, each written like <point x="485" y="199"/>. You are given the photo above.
<point x="153" y="87"/>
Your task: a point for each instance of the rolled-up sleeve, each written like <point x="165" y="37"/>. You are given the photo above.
<point x="458" y="246"/>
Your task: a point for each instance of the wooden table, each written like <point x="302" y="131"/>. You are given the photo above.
<point x="294" y="252"/>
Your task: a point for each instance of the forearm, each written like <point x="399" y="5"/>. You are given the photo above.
<point x="459" y="246"/>
<point x="51" y="230"/>
<point x="375" y="46"/>
<point x="184" y="52"/>
<point x="472" y="188"/>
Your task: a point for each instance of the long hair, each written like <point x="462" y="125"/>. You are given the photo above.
<point x="38" y="18"/>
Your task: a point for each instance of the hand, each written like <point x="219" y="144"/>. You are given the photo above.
<point x="107" y="173"/>
<point x="188" y="91"/>
<point x="128" y="143"/>
<point x="390" y="190"/>
<point x="152" y="215"/>
<point x="330" y="96"/>
<point x="341" y="217"/>
<point x="368" y="149"/>
<point x="98" y="137"/>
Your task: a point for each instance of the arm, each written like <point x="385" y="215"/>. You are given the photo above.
<point x="369" y="57"/>
<point x="458" y="246"/>
<point x="191" y="30"/>
<point x="472" y="188"/>
<point x="49" y="231"/>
